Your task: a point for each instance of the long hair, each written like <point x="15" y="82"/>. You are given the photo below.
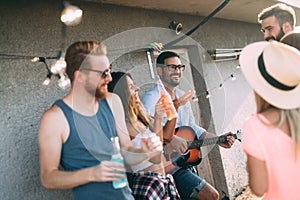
<point x="133" y="111"/>
<point x="291" y="115"/>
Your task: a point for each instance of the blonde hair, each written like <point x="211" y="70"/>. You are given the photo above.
<point x="292" y="116"/>
<point x="136" y="112"/>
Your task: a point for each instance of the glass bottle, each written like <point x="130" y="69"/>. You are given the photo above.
<point x="117" y="157"/>
<point x="166" y="98"/>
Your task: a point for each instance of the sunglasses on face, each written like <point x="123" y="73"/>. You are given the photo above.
<point x="173" y="68"/>
<point x="103" y="74"/>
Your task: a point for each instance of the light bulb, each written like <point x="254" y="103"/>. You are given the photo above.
<point x="64" y="82"/>
<point x="47" y="81"/>
<point x="71" y="15"/>
<point x="53" y="69"/>
<point x="58" y="66"/>
<point x="232" y="77"/>
<point x="195" y="99"/>
<point x="207" y="94"/>
<point x="35" y="59"/>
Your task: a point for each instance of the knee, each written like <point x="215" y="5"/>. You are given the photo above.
<point x="208" y="193"/>
<point x="215" y="195"/>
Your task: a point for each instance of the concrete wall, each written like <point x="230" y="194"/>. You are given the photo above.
<point x="32" y="28"/>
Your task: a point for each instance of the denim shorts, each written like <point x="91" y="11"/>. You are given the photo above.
<point x="188" y="183"/>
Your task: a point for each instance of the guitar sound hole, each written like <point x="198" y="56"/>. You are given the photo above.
<point x="180" y="160"/>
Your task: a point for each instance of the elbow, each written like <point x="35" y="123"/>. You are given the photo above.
<point x="257" y="191"/>
<point x="46" y="183"/>
<point x="156" y="159"/>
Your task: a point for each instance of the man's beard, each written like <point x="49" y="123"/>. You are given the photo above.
<point x="101" y="94"/>
<point x="278" y="37"/>
<point x="170" y="81"/>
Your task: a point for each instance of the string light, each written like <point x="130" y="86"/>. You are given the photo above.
<point x="207" y="95"/>
<point x="63" y="81"/>
<point x="58" y="66"/>
<point x="35" y="59"/>
<point x="47" y="79"/>
<point x="208" y="92"/>
<point x="57" y="69"/>
<point x="232" y="77"/>
<point x="71" y="15"/>
<point x="220" y="86"/>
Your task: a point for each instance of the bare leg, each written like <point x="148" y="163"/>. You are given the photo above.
<point x="208" y="192"/>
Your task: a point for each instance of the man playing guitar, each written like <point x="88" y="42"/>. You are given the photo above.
<point x="188" y="183"/>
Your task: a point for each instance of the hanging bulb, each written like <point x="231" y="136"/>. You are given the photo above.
<point x="35" y="59"/>
<point x="71" y="15"/>
<point x="207" y="95"/>
<point x="232" y="77"/>
<point x="47" y="79"/>
<point x="220" y="86"/>
<point x="238" y="67"/>
<point x="38" y="59"/>
<point x="195" y="99"/>
<point x="59" y="66"/>
<point x="63" y="81"/>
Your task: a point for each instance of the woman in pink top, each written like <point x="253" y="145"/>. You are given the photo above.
<point x="271" y="138"/>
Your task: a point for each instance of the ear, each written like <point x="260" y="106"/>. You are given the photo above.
<point x="77" y="75"/>
<point x="286" y="27"/>
<point x="159" y="71"/>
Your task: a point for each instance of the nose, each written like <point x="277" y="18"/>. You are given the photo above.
<point x="266" y="34"/>
<point x="108" y="77"/>
<point x="178" y="69"/>
<point x="136" y="88"/>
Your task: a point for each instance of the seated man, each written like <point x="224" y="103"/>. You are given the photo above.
<point x="170" y="70"/>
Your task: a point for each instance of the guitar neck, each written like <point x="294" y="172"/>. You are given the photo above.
<point x="208" y="141"/>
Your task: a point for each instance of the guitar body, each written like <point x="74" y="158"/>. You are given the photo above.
<point x="191" y="158"/>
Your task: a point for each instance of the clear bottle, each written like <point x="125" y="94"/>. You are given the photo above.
<point x="171" y="112"/>
<point x="117" y="157"/>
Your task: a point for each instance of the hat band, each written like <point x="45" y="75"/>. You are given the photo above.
<point x="270" y="79"/>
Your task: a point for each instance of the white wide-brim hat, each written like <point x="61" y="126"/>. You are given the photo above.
<point x="273" y="71"/>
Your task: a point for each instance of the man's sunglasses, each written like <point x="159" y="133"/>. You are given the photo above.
<point x="103" y="74"/>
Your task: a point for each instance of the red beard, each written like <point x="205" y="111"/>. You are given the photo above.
<point x="101" y="93"/>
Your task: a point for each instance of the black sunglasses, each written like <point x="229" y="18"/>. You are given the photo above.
<point x="173" y="67"/>
<point x="103" y="74"/>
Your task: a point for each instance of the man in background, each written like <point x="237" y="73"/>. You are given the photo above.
<point x="276" y="21"/>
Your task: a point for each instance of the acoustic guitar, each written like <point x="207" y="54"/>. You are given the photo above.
<point x="192" y="157"/>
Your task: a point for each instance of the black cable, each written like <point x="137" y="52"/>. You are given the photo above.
<point x="220" y="7"/>
<point x="63" y="34"/>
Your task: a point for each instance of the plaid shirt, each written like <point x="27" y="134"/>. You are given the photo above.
<point x="154" y="186"/>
